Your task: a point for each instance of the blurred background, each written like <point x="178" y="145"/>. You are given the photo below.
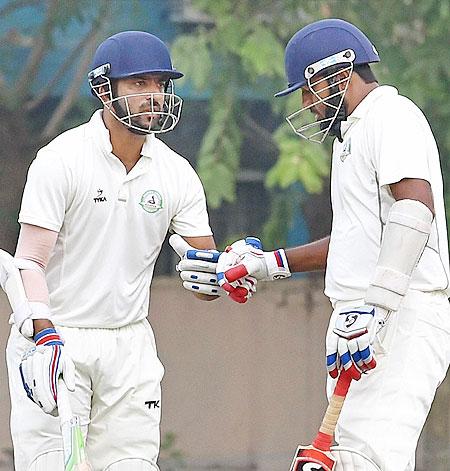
<point x="243" y="384"/>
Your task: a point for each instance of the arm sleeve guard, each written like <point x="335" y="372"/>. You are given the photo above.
<point x="404" y="240"/>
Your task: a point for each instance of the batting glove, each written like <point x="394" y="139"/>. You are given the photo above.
<point x="198" y="271"/>
<point x="42" y="365"/>
<point x="350" y="345"/>
<point x="246" y="258"/>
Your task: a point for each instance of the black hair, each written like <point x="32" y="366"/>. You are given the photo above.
<point x="365" y="72"/>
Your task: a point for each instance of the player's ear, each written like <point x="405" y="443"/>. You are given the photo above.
<point x="341" y="79"/>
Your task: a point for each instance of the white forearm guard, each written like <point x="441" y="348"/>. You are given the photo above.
<point x="405" y="237"/>
<point x="11" y="281"/>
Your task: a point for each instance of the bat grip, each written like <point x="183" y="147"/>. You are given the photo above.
<point x="324" y="438"/>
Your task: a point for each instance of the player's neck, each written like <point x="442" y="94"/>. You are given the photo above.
<point x="126" y="146"/>
<point x="356" y="93"/>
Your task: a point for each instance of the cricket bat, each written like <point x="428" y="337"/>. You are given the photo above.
<point x="73" y="442"/>
<point x="318" y="457"/>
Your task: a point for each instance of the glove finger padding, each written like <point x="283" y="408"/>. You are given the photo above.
<point x="365" y="349"/>
<point x="212" y="290"/>
<point x="333" y="364"/>
<point x="196" y="265"/>
<point x="179" y="245"/>
<point x="240" y="290"/>
<point x="199" y="277"/>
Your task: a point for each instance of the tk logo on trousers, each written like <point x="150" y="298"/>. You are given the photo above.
<point x="152" y="404"/>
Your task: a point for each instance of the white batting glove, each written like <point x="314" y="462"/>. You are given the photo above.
<point x="350" y="346"/>
<point x="42" y="365"/>
<point x="198" y="271"/>
<point x="245" y="257"/>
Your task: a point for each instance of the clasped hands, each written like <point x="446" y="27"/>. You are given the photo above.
<point x="234" y="272"/>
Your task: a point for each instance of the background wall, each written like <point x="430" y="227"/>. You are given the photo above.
<point x="244" y="384"/>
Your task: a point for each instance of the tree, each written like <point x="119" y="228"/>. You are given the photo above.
<point x="23" y="98"/>
<point x="239" y="53"/>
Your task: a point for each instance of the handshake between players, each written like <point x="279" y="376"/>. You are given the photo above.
<point x="236" y="271"/>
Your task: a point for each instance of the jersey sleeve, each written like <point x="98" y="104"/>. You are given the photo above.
<point x="191" y="220"/>
<point x="401" y="140"/>
<point x="46" y="193"/>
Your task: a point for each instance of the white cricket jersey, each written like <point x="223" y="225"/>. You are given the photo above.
<point x="385" y="139"/>
<point x="111" y="224"/>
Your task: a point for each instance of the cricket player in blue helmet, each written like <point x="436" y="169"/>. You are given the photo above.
<point x="315" y="57"/>
<point x="133" y="54"/>
<point x="386" y="259"/>
<point x="98" y="203"/>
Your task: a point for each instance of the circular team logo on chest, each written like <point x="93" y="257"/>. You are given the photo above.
<point x="151" y="201"/>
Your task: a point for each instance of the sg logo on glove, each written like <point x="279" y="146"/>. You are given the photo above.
<point x="350" y="320"/>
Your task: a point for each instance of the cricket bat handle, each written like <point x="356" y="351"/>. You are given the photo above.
<point x="325" y="435"/>
<point x="72" y="437"/>
<point x="64" y="408"/>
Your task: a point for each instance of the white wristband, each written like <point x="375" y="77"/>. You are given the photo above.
<point x="277" y="265"/>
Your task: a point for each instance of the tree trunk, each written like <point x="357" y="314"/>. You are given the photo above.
<point x="15" y="156"/>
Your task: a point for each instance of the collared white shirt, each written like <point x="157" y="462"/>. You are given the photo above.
<point x="385" y="139"/>
<point x="111" y="224"/>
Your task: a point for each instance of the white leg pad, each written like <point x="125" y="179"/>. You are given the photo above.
<point x="348" y="459"/>
<point x="132" y="464"/>
<point x="50" y="460"/>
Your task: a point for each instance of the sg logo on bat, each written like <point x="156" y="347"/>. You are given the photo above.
<point x="308" y="458"/>
<point x="308" y="466"/>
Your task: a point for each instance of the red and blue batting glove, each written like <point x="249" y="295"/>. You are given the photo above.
<point x="42" y="365"/>
<point x="198" y="271"/>
<point x="246" y="258"/>
<point x="350" y="344"/>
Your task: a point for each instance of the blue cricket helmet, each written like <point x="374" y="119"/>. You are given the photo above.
<point x="131" y="53"/>
<point x="320" y="40"/>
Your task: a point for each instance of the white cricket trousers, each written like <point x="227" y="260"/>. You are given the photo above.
<point x="118" y="398"/>
<point x="384" y="412"/>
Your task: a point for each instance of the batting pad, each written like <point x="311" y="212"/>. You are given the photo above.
<point x="132" y="464"/>
<point x="46" y="461"/>
<point x="348" y="459"/>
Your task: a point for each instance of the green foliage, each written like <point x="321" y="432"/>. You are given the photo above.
<point x="193" y="57"/>
<point x="260" y="49"/>
<point x="170" y="458"/>
<point x="282" y="208"/>
<point x="218" y="159"/>
<point x="307" y="163"/>
<point x="245" y="44"/>
<point x="227" y="59"/>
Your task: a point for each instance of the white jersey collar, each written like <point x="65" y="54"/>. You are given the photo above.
<point x="365" y="104"/>
<point x="100" y="130"/>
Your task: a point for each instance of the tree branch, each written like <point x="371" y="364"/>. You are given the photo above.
<point x="37" y="52"/>
<point x="72" y="92"/>
<point x="45" y="92"/>
<point x="263" y="137"/>
<point x="11" y="6"/>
